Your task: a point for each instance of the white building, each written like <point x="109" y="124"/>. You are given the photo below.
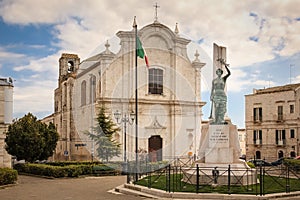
<point x="169" y="96"/>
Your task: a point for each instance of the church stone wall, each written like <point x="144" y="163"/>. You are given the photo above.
<point x="174" y="116"/>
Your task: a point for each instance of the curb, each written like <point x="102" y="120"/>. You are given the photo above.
<point x="142" y="191"/>
<point x="8" y="185"/>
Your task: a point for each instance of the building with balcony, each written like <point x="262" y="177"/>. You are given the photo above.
<point x="273" y="122"/>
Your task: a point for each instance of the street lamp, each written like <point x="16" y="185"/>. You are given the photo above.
<point x="124" y="119"/>
<point x="92" y="82"/>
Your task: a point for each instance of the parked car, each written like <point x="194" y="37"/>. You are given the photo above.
<point x="259" y="162"/>
<point x="277" y="162"/>
<point x="242" y="157"/>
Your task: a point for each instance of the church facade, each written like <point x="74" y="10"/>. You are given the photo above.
<point x="169" y="97"/>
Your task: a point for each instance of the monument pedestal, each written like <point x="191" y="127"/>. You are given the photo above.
<point x="219" y="158"/>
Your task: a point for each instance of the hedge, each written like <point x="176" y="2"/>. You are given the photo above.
<point x="8" y="176"/>
<point x="53" y="171"/>
<point x="293" y="164"/>
<point x="67" y="163"/>
<point x="64" y="170"/>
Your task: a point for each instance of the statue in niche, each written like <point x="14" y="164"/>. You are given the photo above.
<point x="218" y="96"/>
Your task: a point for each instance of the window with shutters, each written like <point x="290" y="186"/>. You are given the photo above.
<point x="292" y="108"/>
<point x="257" y="137"/>
<point x="257" y="114"/>
<point x="280" y="137"/>
<point x="292" y="133"/>
<point x="280" y="112"/>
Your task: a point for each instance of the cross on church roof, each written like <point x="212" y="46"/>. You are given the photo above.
<point x="156" y="7"/>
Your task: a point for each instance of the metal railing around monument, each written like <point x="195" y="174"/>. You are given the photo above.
<point x="173" y="177"/>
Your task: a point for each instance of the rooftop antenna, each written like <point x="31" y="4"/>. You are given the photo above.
<point x="291" y="65"/>
<point x="156" y="7"/>
<point x="269" y="80"/>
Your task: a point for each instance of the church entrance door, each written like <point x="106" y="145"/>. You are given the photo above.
<point x="155" y="148"/>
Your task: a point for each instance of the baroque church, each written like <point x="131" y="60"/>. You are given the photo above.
<point x="169" y="97"/>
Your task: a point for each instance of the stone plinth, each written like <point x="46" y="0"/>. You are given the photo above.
<point x="219" y="148"/>
<point x="5" y="158"/>
<point x="219" y="144"/>
<point x="240" y="174"/>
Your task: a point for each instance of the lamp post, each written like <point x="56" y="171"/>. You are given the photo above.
<point x="124" y="119"/>
<point x="92" y="82"/>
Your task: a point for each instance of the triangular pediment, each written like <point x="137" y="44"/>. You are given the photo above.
<point x="155" y="125"/>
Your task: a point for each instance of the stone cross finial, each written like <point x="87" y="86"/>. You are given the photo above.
<point x="107" y="45"/>
<point x="156" y="7"/>
<point x="134" y="25"/>
<point x="176" y="29"/>
<point x="197" y="56"/>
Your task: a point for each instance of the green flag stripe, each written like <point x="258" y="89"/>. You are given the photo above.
<point x="140" y="51"/>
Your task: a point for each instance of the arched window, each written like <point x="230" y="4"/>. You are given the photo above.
<point x="92" y="89"/>
<point x="258" y="155"/>
<point x="293" y="154"/>
<point x="83" y="93"/>
<point x="155" y="80"/>
<point x="280" y="154"/>
<point x="70" y="66"/>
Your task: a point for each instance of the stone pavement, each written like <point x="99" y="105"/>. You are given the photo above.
<point x="87" y="188"/>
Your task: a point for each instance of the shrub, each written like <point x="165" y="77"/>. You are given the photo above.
<point x="250" y="164"/>
<point x="8" y="176"/>
<point x="66" y="163"/>
<point x="61" y="171"/>
<point x="292" y="164"/>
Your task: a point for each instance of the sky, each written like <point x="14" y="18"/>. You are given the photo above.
<point x="262" y="40"/>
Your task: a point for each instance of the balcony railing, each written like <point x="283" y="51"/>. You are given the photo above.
<point x="257" y="142"/>
<point x="279" y="118"/>
<point x="280" y="142"/>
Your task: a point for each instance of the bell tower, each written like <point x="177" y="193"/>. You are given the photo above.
<point x="68" y="65"/>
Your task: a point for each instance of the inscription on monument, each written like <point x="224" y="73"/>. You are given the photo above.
<point x="219" y="137"/>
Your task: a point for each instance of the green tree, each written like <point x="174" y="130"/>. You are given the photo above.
<point x="102" y="134"/>
<point x="29" y="139"/>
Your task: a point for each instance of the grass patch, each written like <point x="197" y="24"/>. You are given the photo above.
<point x="271" y="184"/>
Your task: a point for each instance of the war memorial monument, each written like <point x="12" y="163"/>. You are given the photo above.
<point x="219" y="149"/>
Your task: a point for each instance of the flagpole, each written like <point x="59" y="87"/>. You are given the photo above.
<point x="136" y="102"/>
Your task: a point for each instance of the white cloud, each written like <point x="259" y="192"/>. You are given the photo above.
<point x="296" y="80"/>
<point x="34" y="12"/>
<point x="33" y="98"/>
<point x="45" y="64"/>
<point x="34" y="92"/>
<point x="80" y="27"/>
<point x="237" y="76"/>
<point x="6" y="55"/>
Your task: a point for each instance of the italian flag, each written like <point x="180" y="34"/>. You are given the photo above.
<point x="140" y="52"/>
